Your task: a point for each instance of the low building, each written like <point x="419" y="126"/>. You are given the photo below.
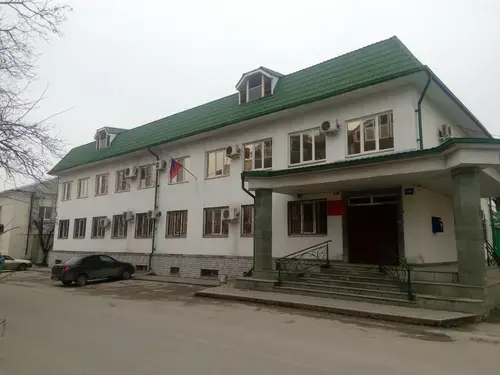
<point x="369" y="150"/>
<point x="22" y="210"/>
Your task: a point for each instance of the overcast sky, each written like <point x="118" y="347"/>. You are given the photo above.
<point x="123" y="63"/>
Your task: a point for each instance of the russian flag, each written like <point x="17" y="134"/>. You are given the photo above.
<point x="175" y="166"/>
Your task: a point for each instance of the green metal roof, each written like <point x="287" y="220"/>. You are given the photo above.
<point x="371" y="159"/>
<point x="370" y="65"/>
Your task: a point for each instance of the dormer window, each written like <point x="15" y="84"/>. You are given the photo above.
<point x="104" y="136"/>
<point x="103" y="139"/>
<point x="257" y="84"/>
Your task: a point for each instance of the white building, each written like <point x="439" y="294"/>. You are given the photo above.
<point x="374" y="129"/>
<point x="18" y="208"/>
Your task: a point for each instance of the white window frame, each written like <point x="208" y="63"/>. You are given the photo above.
<point x="79" y="228"/>
<point x="226" y="162"/>
<point x="147" y="225"/>
<point x="83" y="184"/>
<point x="376" y="131"/>
<point x="145" y="172"/>
<point x="184" y="161"/>
<point x="98" y="231"/>
<point x="63" y="229"/>
<point x="66" y="190"/>
<point x="262" y="143"/>
<point x="103" y="141"/>
<point x="119" y="227"/>
<point x="252" y="220"/>
<point x="180" y="228"/>
<point x="301" y="133"/>
<point x="99" y="184"/>
<point x="223" y="224"/>
<point x="120" y="178"/>
<point x="314" y="232"/>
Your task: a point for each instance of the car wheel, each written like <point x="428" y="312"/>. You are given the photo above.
<point x="67" y="282"/>
<point x="21" y="267"/>
<point x="126" y="275"/>
<point x="81" y="280"/>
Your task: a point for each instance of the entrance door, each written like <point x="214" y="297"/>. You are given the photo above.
<point x="373" y="233"/>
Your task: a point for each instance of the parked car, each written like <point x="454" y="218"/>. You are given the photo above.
<point x="80" y="269"/>
<point x="15" y="264"/>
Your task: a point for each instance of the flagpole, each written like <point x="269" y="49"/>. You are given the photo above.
<point x="187" y="170"/>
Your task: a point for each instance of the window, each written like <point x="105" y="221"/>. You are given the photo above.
<point x="218" y="164"/>
<point x="83" y="188"/>
<point x="213" y="225"/>
<point x="103" y="140"/>
<point x="177" y="223"/>
<point x="209" y="273"/>
<point x="255" y="87"/>
<point x="46" y="212"/>
<point x="106" y="259"/>
<point x="98" y="230"/>
<point x="307" y="217"/>
<point x="175" y="271"/>
<point x="119" y="227"/>
<point x="147" y="176"/>
<point x="6" y="257"/>
<point x="307" y="146"/>
<point x="247" y="218"/>
<point x="79" y="228"/>
<point x="181" y="174"/>
<point x="101" y="184"/>
<point x="258" y="155"/>
<point x="122" y="183"/>
<point x="63" y="229"/>
<point x="143" y="226"/>
<point x="373" y="133"/>
<point x="66" y="190"/>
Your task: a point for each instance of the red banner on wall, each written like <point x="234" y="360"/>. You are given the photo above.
<point x="336" y="208"/>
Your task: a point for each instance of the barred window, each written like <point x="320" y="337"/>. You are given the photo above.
<point x="143" y="226"/>
<point x="98" y="230"/>
<point x="307" y="217"/>
<point x="177" y="223"/>
<point x="79" y="228"/>
<point x="247" y="220"/>
<point x="119" y="227"/>
<point x="213" y="225"/>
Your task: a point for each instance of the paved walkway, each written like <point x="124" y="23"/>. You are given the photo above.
<point x="352" y="308"/>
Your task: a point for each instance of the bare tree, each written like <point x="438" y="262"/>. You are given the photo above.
<point x="45" y="236"/>
<point x="26" y="146"/>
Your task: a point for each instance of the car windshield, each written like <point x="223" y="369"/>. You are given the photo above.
<point x="74" y="260"/>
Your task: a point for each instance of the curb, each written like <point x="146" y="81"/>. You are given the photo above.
<point x="206" y="283"/>
<point x="452" y="322"/>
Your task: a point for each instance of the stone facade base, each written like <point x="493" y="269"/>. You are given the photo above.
<point x="164" y="264"/>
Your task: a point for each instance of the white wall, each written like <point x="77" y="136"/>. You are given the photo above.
<point x="225" y="191"/>
<point x="421" y="245"/>
<point x="432" y="119"/>
<point x="14" y="214"/>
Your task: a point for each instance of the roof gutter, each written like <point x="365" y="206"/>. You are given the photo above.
<point x="420" y="138"/>
<point x="155" y="207"/>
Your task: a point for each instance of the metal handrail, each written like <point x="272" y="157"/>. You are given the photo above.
<point x="303" y="260"/>
<point x="400" y="272"/>
<point x="492" y="258"/>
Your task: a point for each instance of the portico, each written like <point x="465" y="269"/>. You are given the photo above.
<point x="393" y="201"/>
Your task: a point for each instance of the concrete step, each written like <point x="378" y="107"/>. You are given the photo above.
<point x="345" y="296"/>
<point x="345" y="289"/>
<point x="353" y="284"/>
<point x="351" y="271"/>
<point x="379" y="279"/>
<point x="465" y="305"/>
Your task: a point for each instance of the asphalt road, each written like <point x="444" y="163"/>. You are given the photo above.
<point x="136" y="327"/>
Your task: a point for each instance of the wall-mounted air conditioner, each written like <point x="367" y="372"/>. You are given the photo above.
<point x="154" y="214"/>
<point x="233" y="151"/>
<point x="330" y="127"/>
<point x="444" y="133"/>
<point x="161" y="165"/>
<point x="230" y="214"/>
<point x="128" y="215"/>
<point x="131" y="172"/>
<point x="104" y="222"/>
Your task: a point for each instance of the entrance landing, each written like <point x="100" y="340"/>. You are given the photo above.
<point x="352" y="308"/>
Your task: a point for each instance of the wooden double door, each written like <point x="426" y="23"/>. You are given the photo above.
<point x="373" y="233"/>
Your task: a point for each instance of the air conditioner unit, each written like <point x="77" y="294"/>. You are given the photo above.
<point x="230" y="214"/>
<point x="104" y="222"/>
<point x="131" y="172"/>
<point x="444" y="133"/>
<point x="128" y="215"/>
<point x="233" y="151"/>
<point x="154" y="214"/>
<point x="161" y="165"/>
<point x="329" y="127"/>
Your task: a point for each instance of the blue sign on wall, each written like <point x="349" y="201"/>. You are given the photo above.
<point x="408" y="191"/>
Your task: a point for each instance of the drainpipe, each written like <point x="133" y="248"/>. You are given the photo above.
<point x="419" y="111"/>
<point x="155" y="207"/>
<point x="493" y="240"/>
<point x="29" y="223"/>
<point x="253" y="197"/>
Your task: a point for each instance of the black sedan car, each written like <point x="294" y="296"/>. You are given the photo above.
<point x="81" y="269"/>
